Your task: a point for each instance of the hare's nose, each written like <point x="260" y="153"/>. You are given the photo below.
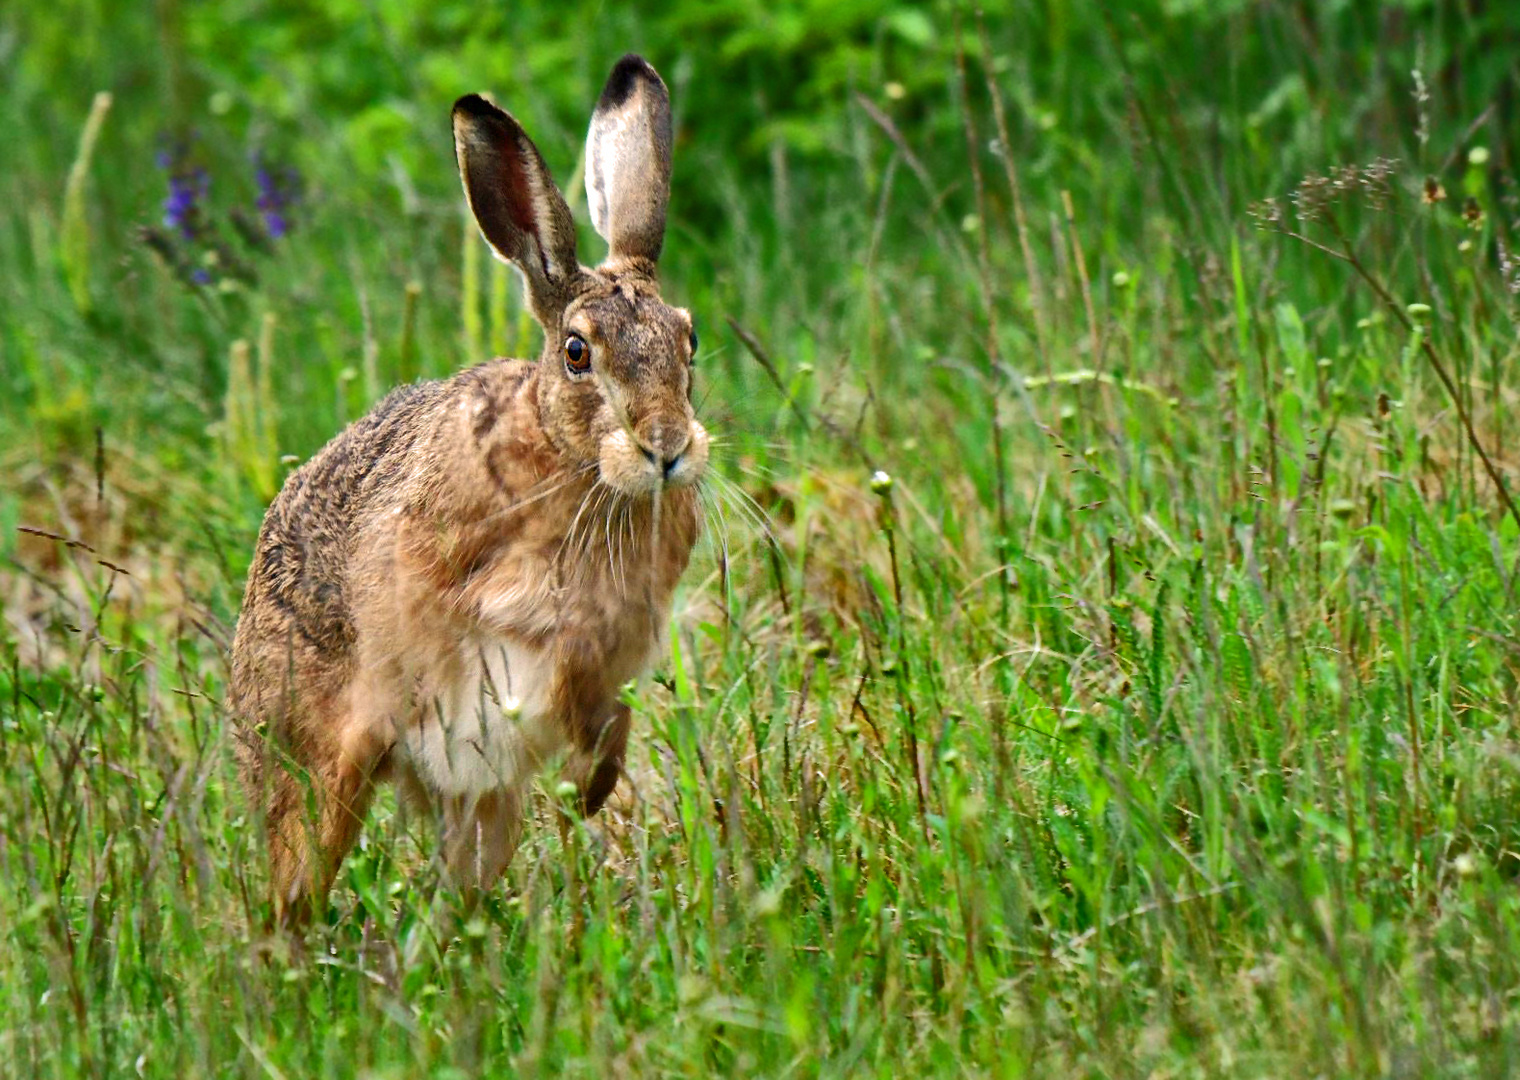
<point x="667" y="461"/>
<point x="669" y="464"/>
<point x="666" y="445"/>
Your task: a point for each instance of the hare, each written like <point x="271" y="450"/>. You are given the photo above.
<point x="454" y="590"/>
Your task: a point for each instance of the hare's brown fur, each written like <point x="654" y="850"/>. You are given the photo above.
<point x="457" y="586"/>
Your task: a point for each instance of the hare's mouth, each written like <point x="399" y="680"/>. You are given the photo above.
<point x="636" y="468"/>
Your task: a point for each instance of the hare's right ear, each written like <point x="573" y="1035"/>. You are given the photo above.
<point x="519" y="210"/>
<point x="628" y="161"/>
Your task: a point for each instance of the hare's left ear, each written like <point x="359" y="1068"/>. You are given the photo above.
<point x="628" y="161"/>
<point x="519" y="210"/>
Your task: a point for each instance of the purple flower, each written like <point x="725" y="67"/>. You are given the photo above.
<point x="279" y="190"/>
<point x="188" y="186"/>
<point x="276" y="223"/>
<point x="182" y="209"/>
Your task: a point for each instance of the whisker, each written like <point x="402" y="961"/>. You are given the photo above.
<point x="604" y="492"/>
<point x="619" y="504"/>
<point x="529" y="500"/>
<point x="759" y="472"/>
<point x="746" y="506"/>
<point x="564" y="481"/>
<point x="570" y="533"/>
<point x="631" y="529"/>
<point x="714" y="520"/>
<point x="619" y="571"/>
<point x="723" y="496"/>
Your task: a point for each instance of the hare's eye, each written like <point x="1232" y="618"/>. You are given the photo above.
<point x="693" y="344"/>
<point x="577" y="355"/>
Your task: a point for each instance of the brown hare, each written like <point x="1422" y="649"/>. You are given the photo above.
<point x="454" y="590"/>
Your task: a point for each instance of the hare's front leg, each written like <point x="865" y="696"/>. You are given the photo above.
<point x="480" y="834"/>
<point x="595" y="768"/>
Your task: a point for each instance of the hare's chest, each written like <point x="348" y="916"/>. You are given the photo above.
<point x="537" y="671"/>
<point x="485" y="722"/>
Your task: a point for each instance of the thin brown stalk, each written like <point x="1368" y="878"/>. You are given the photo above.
<point x="949" y="241"/>
<point x="891" y="130"/>
<point x="984" y="279"/>
<point x="763" y="358"/>
<point x="1087" y="300"/>
<point x="1015" y="191"/>
<point x="1436" y="363"/>
<point x="905" y="700"/>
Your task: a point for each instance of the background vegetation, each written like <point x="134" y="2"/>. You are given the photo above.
<point x="1155" y="718"/>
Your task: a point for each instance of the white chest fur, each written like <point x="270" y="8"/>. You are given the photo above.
<point x="487" y="725"/>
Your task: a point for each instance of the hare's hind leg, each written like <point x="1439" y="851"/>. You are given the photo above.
<point x="313" y="819"/>
<point x="480" y="834"/>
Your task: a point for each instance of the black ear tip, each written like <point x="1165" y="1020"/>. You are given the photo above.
<point x="475" y="107"/>
<point x="478" y="114"/>
<point x="626" y="75"/>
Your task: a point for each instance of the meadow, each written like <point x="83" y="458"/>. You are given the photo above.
<point x="1101" y="659"/>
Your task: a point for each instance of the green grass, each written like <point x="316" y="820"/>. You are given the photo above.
<point x="1157" y="718"/>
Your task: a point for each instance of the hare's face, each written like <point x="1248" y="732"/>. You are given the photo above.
<point x="618" y="386"/>
<point x="615" y="379"/>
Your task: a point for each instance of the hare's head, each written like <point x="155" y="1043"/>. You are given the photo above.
<point x="615" y="379"/>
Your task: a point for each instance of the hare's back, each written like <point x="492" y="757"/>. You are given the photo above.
<point x="298" y="598"/>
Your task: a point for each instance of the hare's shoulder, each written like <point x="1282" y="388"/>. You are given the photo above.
<point x="321" y="500"/>
<point x="490" y="393"/>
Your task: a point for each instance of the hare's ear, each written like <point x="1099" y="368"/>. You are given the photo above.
<point x="519" y="210"/>
<point x="628" y="161"/>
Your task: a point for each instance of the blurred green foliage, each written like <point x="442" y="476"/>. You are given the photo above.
<point x="1159" y="106"/>
<point x="749" y="76"/>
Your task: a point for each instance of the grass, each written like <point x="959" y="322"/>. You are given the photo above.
<point x="1102" y="660"/>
